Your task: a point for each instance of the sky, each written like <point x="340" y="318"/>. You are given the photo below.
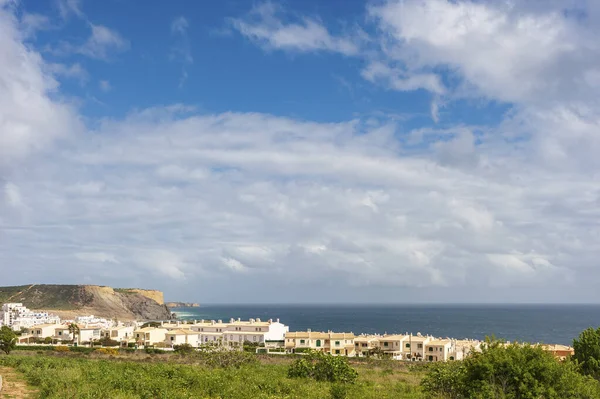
<point x="302" y="151"/>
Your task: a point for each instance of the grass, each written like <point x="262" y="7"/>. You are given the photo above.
<point x="161" y="376"/>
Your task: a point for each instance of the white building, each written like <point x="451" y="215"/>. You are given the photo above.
<point x="180" y="337"/>
<point x="150" y="336"/>
<point x="93" y="320"/>
<point x="119" y="334"/>
<point x="236" y="332"/>
<point x="17" y="316"/>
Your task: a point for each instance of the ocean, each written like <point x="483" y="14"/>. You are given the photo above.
<point x="556" y="324"/>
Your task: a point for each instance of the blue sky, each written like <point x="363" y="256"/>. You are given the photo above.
<point x="366" y="151"/>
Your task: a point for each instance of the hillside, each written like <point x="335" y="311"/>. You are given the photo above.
<point x="68" y="301"/>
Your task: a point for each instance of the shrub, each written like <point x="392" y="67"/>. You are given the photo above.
<point x="8" y="339"/>
<point x="338" y="391"/>
<point x="48" y="340"/>
<point x="513" y="371"/>
<point x="107" y="351"/>
<point x="107" y="341"/>
<point x="184" y="349"/>
<point x="323" y="367"/>
<point x="61" y="348"/>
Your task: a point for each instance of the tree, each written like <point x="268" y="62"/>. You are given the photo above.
<point x="74" y="331"/>
<point x="8" y="339"/>
<point x="587" y="352"/>
<point x="509" y="371"/>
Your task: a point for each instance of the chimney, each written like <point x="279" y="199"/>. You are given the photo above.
<point x="220" y="321"/>
<point x="258" y="320"/>
<point x="239" y="319"/>
<point x="308" y="330"/>
<point x="231" y="320"/>
<point x="270" y="320"/>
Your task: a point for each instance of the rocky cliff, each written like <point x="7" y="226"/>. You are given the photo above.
<point x="69" y="301"/>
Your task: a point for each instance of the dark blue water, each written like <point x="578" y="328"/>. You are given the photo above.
<point x="529" y="323"/>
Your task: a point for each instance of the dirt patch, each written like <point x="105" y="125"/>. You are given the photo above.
<point x="14" y="385"/>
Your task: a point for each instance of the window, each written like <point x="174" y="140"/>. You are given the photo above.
<point x="385" y="344"/>
<point x="430" y="349"/>
<point x="408" y="345"/>
<point x="420" y="346"/>
<point x="302" y="341"/>
<point x="202" y="329"/>
<point x="60" y="333"/>
<point x="254" y="338"/>
<point x="364" y="345"/>
<point x="431" y="358"/>
<point x="337" y="343"/>
<point x="172" y="338"/>
<point x="337" y="351"/>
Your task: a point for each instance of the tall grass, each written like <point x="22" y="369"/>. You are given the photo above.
<point x="82" y="377"/>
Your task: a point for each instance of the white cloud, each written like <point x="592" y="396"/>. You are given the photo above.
<point x="265" y="26"/>
<point x="30" y="24"/>
<point x="105" y="86"/>
<point x="73" y="71"/>
<point x="70" y="7"/>
<point x="247" y="200"/>
<point x="180" y="25"/>
<point x="181" y="51"/>
<point x="30" y="116"/>
<point x="102" y="42"/>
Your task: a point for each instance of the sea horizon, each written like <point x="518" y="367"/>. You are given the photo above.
<point x="525" y="322"/>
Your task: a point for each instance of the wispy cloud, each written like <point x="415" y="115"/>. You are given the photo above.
<point x="70" y="7"/>
<point x="181" y="51"/>
<point x="105" y="86"/>
<point x="266" y="26"/>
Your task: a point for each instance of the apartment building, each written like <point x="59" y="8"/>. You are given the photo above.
<point x="180" y="337"/>
<point x="341" y="344"/>
<point x="17" y="316"/>
<point x="393" y="345"/>
<point x="438" y="350"/>
<point x="236" y="332"/>
<point x="150" y="336"/>
<point x="365" y="345"/>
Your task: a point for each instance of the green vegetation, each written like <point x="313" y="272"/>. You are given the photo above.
<point x="8" y="339"/>
<point x="499" y="371"/>
<point x="83" y="377"/>
<point x="510" y="372"/>
<point x="323" y="367"/>
<point x="63" y="297"/>
<point x="587" y="352"/>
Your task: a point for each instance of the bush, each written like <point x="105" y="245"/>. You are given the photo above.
<point x="61" y="348"/>
<point x="338" y="391"/>
<point x="107" y="341"/>
<point x="107" y="351"/>
<point x="48" y="340"/>
<point x="513" y="371"/>
<point x="323" y="367"/>
<point x="184" y="349"/>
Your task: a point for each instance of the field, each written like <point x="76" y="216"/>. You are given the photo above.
<point x="98" y="376"/>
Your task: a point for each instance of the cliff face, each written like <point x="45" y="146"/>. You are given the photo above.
<point x="69" y="301"/>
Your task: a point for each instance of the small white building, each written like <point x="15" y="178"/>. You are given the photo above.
<point x="438" y="350"/>
<point x="119" y="334"/>
<point x="42" y="331"/>
<point x="150" y="336"/>
<point x="180" y="337"/>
